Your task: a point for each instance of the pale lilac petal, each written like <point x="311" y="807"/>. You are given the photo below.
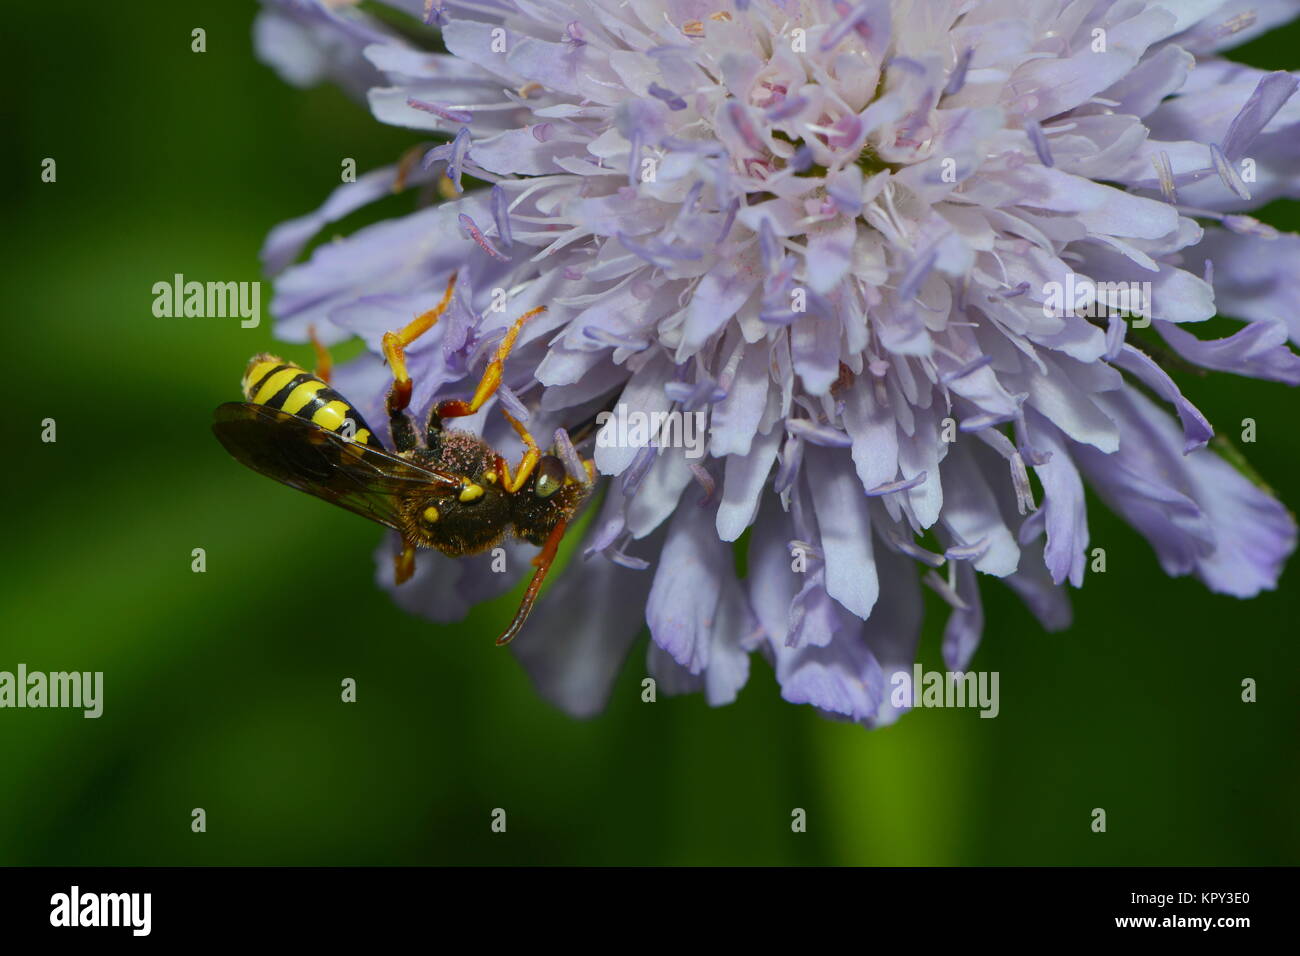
<point x="744" y="480"/>
<point x="844" y="521"/>
<point x="574" y="658"/>
<point x="875" y="438"/>
<point x="971" y="513"/>
<point x="1237" y="22"/>
<point x="1254" y="278"/>
<point x="1196" y="429"/>
<point x="1273" y="91"/>
<point x="1259" y="350"/>
<point x="772" y="582"/>
<point x="644" y="394"/>
<point x="287" y="240"/>
<point x="893" y="631"/>
<point x="1045" y="598"/>
<point x="736" y="417"/>
<point x="842" y="679"/>
<point x="1199" y="514"/>
<point x="688" y="580"/>
<point x="1064" y="507"/>
<point x="965" y="625"/>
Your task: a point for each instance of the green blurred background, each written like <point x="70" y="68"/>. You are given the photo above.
<point x="222" y="689"/>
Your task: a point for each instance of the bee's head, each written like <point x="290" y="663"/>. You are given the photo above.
<point x="549" y="496"/>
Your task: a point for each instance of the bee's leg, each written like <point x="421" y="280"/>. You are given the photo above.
<point x="395" y="343"/>
<point x="324" y="364"/>
<point x="399" y="423"/>
<point x="487" y="386"/>
<point x="543" y="563"/>
<point x="404" y="563"/>
<point x="399" y="395"/>
<point x="532" y="455"/>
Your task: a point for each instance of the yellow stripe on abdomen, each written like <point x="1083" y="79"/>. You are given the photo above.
<point x="301" y="396"/>
<point x="330" y="415"/>
<point x="274" y="383"/>
<point x="256" y="373"/>
<point x="259" y="366"/>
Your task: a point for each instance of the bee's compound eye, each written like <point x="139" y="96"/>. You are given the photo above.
<point x="550" y="476"/>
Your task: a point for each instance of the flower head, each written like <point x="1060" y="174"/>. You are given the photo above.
<point x="925" y="267"/>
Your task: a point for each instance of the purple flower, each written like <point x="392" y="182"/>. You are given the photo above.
<point x="925" y="276"/>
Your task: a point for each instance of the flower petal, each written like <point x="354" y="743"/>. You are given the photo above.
<point x="844" y="522"/>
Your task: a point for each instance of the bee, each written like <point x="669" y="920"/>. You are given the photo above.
<point x="447" y="489"/>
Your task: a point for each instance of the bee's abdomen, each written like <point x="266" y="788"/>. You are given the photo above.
<point x="284" y="386"/>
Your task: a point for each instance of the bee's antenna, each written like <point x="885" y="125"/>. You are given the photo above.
<point x="543" y="564"/>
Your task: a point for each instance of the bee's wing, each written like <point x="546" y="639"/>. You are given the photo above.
<point x="364" y="480"/>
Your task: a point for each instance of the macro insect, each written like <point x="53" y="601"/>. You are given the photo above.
<point x="446" y="489"/>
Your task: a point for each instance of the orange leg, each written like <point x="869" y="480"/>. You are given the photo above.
<point x="404" y="563"/>
<point x="324" y="364"/>
<point x="532" y="455"/>
<point x="487" y="387"/>
<point x="395" y="343"/>
<point x="543" y="563"/>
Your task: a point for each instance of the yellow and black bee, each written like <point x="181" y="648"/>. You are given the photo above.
<point x="452" y="491"/>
